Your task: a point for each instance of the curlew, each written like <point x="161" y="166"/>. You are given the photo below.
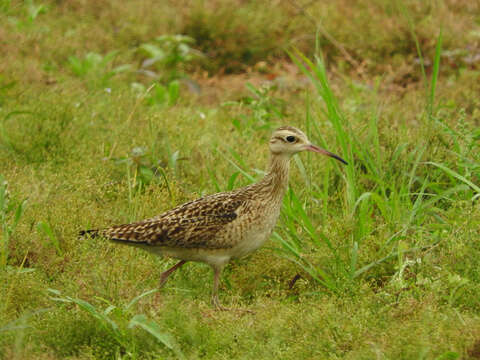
<point x="217" y="228"/>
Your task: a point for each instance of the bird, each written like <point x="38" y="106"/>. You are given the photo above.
<point x="217" y="228"/>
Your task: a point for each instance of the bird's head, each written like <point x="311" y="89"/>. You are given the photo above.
<point x="288" y="140"/>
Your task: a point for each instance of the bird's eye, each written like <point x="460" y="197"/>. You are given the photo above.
<point x="290" y="139"/>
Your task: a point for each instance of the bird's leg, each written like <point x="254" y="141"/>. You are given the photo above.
<point x="217" y="270"/>
<point x="166" y="274"/>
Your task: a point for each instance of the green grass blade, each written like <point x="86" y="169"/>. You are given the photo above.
<point x="154" y="329"/>
<point x="455" y="175"/>
<point x="436" y="70"/>
<point x="353" y="259"/>
<point x="411" y="26"/>
<point x="48" y="232"/>
<point x="104" y="320"/>
<point x="139" y="297"/>
<point x="239" y="169"/>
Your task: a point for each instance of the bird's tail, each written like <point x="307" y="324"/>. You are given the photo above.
<point x="92" y="233"/>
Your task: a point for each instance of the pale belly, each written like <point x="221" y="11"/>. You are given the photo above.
<point x="215" y="257"/>
<point x="254" y="240"/>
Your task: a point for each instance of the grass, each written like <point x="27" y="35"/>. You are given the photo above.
<point x="102" y="122"/>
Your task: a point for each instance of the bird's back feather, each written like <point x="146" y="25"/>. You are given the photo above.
<point x="195" y="224"/>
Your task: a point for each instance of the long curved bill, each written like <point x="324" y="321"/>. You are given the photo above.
<point x="319" y="150"/>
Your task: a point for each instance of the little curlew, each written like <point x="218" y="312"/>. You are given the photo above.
<point x="223" y="226"/>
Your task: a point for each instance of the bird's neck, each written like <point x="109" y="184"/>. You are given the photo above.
<point x="276" y="179"/>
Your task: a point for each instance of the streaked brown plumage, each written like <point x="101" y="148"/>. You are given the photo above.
<point x="222" y="226"/>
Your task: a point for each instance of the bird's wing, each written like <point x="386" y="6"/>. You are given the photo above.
<point x="196" y="224"/>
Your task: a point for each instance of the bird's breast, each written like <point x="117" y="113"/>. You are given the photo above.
<point x="254" y="229"/>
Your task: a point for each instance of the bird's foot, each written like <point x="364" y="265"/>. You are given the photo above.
<point x="217" y="305"/>
<point x="220" y="307"/>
